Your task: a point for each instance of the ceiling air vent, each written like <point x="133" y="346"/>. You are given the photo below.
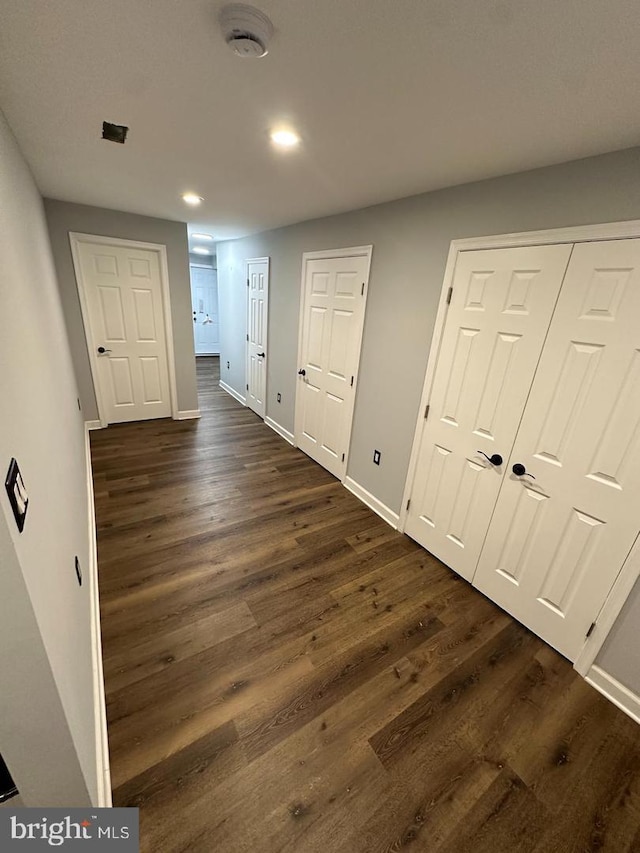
<point x="246" y="30"/>
<point x="114" y="132"/>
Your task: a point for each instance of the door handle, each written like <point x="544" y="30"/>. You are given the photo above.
<point x="102" y="350"/>
<point x="261" y="354"/>
<point x="496" y="459"/>
<point x="520" y="471"/>
<point x="302" y="372"/>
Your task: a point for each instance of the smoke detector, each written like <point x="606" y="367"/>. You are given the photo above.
<point x="246" y="30"/>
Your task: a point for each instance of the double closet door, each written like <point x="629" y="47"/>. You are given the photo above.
<point x="527" y="480"/>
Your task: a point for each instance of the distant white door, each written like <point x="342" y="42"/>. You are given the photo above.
<point x="334" y="290"/>
<point x="500" y="310"/>
<point x="121" y="294"/>
<point x="204" y="302"/>
<point x="557" y="542"/>
<point x="257" y="328"/>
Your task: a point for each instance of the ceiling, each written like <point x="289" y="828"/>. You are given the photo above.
<point x="391" y="98"/>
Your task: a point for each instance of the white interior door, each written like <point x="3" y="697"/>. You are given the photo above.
<point x="500" y="309"/>
<point x="557" y="542"/>
<point x="332" y="317"/>
<point x="257" y="328"/>
<point x="204" y="301"/>
<point x="122" y="290"/>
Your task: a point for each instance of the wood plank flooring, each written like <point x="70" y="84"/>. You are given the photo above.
<point x="284" y="672"/>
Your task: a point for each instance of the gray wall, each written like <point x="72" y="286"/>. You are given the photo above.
<point x="47" y="721"/>
<point x="203" y="260"/>
<point x="620" y="655"/>
<point x="63" y="217"/>
<point x="411" y="240"/>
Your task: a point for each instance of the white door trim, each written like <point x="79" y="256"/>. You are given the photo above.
<point x="579" y="234"/>
<point x="348" y="252"/>
<point x="75" y="239"/>
<point x="248" y="261"/>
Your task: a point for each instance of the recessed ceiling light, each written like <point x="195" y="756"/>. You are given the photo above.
<point x="192" y="198"/>
<point x="200" y="250"/>
<point x="202" y="237"/>
<point x="285" y="138"/>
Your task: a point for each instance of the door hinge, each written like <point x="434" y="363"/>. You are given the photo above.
<point x="408" y="503"/>
<point x="449" y="295"/>
<point x="591" y="627"/>
<point x="248" y="283"/>
<point x="343" y="457"/>
<point x="247" y="387"/>
<point x="352" y="381"/>
<point x="247" y="337"/>
<point x="362" y="291"/>
<point x="426" y="412"/>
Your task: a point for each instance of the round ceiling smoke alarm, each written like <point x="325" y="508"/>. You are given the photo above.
<point x="246" y="30"/>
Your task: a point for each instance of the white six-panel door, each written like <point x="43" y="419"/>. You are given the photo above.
<point x="257" y="328"/>
<point x="557" y="542"/>
<point x="332" y="316"/>
<point x="204" y="302"/>
<point x="500" y="309"/>
<point x="122" y="290"/>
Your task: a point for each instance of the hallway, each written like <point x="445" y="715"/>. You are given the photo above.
<point x="284" y="672"/>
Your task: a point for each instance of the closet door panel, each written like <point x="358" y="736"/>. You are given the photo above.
<point x="500" y="311"/>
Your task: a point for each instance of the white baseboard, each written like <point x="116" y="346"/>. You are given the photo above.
<point x="99" y="702"/>
<point x="284" y="433"/>
<point x="233" y="393"/>
<point x="372" y="502"/>
<point x="93" y="424"/>
<point x="615" y="691"/>
<point x="187" y="414"/>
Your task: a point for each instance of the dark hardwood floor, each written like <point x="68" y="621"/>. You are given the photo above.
<point x="284" y="672"/>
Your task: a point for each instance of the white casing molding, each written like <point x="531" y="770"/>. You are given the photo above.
<point x="93" y="425"/>
<point x="372" y="502"/>
<point x="99" y="702"/>
<point x="615" y="692"/>
<point x="233" y="393"/>
<point x="284" y="433"/>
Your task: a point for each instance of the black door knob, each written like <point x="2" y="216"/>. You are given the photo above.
<point x="302" y="372"/>
<point x="261" y="355"/>
<point x="496" y="459"/>
<point x="520" y="471"/>
<point x="102" y="350"/>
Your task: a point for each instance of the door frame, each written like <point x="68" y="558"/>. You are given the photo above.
<point x="347" y="252"/>
<point x="630" y="570"/>
<point x="76" y="238"/>
<point x="215" y="270"/>
<point x="248" y="261"/>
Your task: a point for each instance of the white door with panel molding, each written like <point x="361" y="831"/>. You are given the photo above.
<point x="334" y="292"/>
<point x="204" y="303"/>
<point x="120" y="284"/>
<point x="557" y="542"/>
<point x="501" y="305"/>
<point x="257" y="329"/>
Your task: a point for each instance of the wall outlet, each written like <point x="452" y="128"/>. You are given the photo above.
<point x="78" y="572"/>
<point x="376" y="457"/>
<point x="279" y="397"/>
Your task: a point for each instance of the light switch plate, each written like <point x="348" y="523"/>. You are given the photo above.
<point x="18" y="498"/>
